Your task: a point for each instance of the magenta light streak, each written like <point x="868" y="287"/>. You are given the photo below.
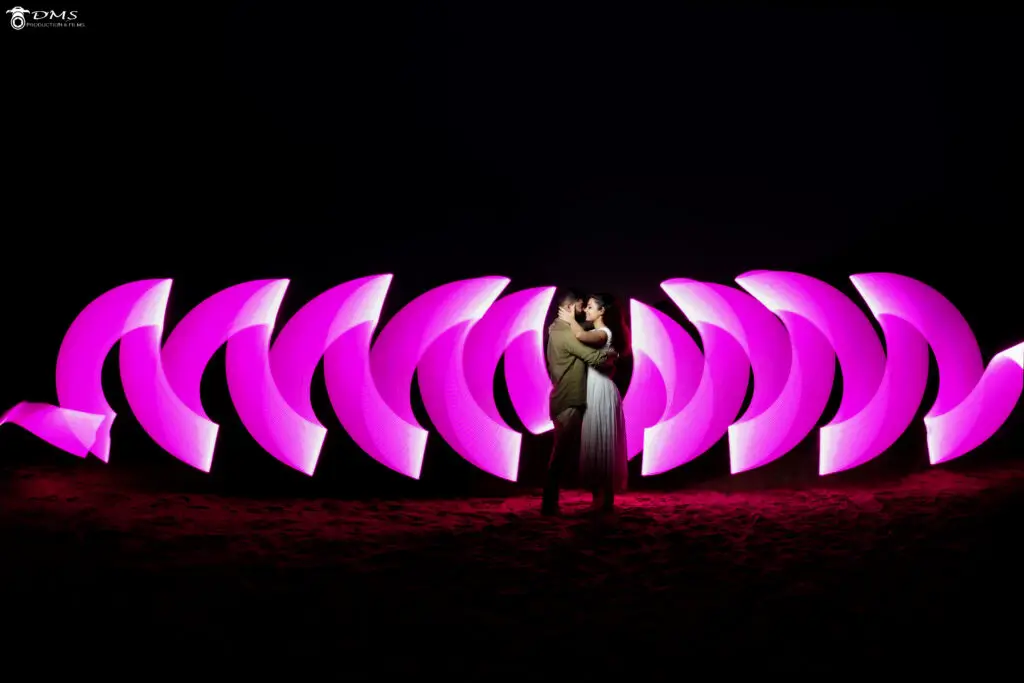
<point x="526" y="372"/>
<point x="456" y="377"/>
<point x="973" y="402"/>
<point x="982" y="413"/>
<point x="412" y="330"/>
<point x="788" y="331"/>
<point x="468" y="429"/>
<point x="131" y="307"/>
<point x="379" y="431"/>
<point x="667" y="369"/>
<point x="69" y="430"/>
<point x="873" y="430"/>
<point x="850" y="334"/>
<point x="274" y="402"/>
<point x="163" y="388"/>
<point x="723" y="385"/>
<point x="406" y="338"/>
<point x="793" y="368"/>
<point x="802" y="401"/>
<point x="304" y="340"/>
<point x="512" y="326"/>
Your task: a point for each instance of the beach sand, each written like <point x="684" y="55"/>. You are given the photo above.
<point x="922" y="569"/>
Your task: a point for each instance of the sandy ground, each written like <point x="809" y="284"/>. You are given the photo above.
<point x="923" y="571"/>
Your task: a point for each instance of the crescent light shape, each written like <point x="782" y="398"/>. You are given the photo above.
<point x="973" y="402"/>
<point x="667" y="370"/>
<point x="372" y="398"/>
<point x="786" y="329"/>
<point x="456" y="377"/>
<point x="848" y="331"/>
<point x="723" y="385"/>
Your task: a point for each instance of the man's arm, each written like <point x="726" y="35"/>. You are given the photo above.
<point x="608" y="367"/>
<point x="593" y="357"/>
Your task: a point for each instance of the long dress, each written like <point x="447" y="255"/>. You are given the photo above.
<point x="603" y="460"/>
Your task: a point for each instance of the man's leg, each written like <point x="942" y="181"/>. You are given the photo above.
<point x="567" y="437"/>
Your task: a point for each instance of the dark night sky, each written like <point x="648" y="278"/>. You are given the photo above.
<point x="610" y="148"/>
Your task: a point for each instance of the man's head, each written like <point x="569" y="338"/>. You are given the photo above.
<point x="573" y="300"/>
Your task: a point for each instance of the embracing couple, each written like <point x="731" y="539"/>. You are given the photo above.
<point x="584" y="343"/>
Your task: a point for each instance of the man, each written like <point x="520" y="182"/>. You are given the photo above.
<point x="567" y="360"/>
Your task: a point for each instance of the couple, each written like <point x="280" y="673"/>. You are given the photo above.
<point x="586" y="407"/>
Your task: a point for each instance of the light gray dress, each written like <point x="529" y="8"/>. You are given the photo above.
<point x="603" y="461"/>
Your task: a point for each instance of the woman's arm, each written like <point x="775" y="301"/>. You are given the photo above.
<point x="595" y="338"/>
<point x="590" y="337"/>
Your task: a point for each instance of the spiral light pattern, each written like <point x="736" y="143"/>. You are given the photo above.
<point x="786" y="329"/>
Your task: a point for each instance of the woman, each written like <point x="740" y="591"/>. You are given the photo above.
<point x="603" y="461"/>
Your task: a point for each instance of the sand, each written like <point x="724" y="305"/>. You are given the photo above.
<point x="922" y="570"/>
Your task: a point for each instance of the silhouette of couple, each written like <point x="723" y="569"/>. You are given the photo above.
<point x="584" y="344"/>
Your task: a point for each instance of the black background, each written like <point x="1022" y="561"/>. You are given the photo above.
<point x="603" y="147"/>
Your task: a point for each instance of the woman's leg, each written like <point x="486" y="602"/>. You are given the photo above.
<point x="608" y="499"/>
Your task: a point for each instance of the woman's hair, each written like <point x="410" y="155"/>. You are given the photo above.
<point x="615" y="318"/>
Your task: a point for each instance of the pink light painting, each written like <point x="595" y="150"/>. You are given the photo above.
<point x="972" y="402"/>
<point x="162" y="388"/>
<point x="459" y="367"/>
<point x="131" y="307"/>
<point x="723" y="384"/>
<point x="667" y="370"/>
<point x="457" y="381"/>
<point x="786" y="328"/>
<point x="270" y="385"/>
<point x="881" y="394"/>
<point x="810" y="308"/>
<point x="274" y="403"/>
<point x="433" y="334"/>
<point x="792" y="368"/>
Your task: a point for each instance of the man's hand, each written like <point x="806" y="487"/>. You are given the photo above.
<point x="608" y="366"/>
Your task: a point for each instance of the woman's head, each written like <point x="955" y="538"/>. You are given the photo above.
<point x="600" y="306"/>
<point x="605" y="308"/>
